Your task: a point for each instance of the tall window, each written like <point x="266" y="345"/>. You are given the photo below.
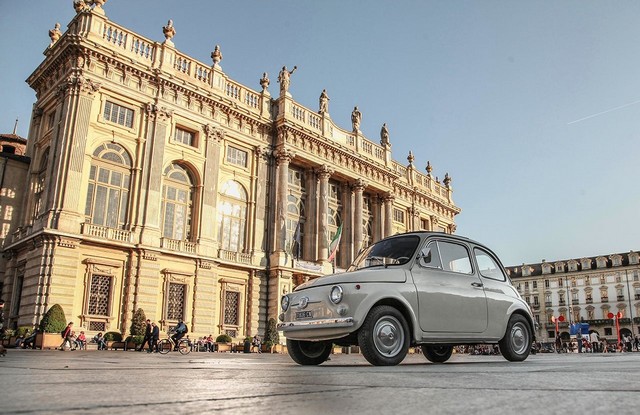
<point x="177" y="198"/>
<point x="118" y="114"/>
<point x="40" y="184"/>
<point x="175" y="303"/>
<point x="108" y="192"/>
<point x="99" y="295"/>
<point x="295" y="225"/>
<point x="367" y="222"/>
<point x="232" y="216"/>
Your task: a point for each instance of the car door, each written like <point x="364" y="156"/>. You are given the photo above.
<point x="451" y="297"/>
<point x="500" y="294"/>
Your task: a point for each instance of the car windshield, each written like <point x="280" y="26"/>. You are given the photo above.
<point x="392" y="251"/>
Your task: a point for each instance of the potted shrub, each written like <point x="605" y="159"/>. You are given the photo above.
<point x="52" y="323"/>
<point x="138" y="326"/>
<point x="223" y="343"/>
<point x="271" y="337"/>
<point x="114" y="340"/>
<point x="8" y="338"/>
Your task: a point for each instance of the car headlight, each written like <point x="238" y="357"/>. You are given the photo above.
<point x="284" y="302"/>
<point x="336" y="294"/>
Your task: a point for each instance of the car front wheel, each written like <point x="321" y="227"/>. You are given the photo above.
<point x="308" y="353"/>
<point x="516" y="343"/>
<point x="437" y="353"/>
<point x="384" y="336"/>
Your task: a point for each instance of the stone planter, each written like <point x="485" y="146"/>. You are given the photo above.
<point x="279" y="348"/>
<point x="223" y="347"/>
<point x="48" y="341"/>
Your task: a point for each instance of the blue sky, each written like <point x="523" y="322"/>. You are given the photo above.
<point x="532" y="107"/>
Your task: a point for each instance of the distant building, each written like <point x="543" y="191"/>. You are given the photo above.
<point x="582" y="290"/>
<point x="158" y="182"/>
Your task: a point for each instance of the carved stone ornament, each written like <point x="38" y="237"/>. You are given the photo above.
<point x="169" y="32"/>
<point x="214" y="133"/>
<point x="359" y="184"/>
<point x="285" y="155"/>
<point x="216" y="55"/>
<point x="160" y="113"/>
<point x="81" y="5"/>
<point x="264" y="81"/>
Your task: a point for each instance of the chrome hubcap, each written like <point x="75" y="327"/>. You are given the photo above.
<point x="519" y="338"/>
<point x="388" y="336"/>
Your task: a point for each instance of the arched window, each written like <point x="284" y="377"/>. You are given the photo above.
<point x="177" y="198"/>
<point x="296" y="218"/>
<point x="40" y="183"/>
<point x="107" y="201"/>
<point x="232" y="216"/>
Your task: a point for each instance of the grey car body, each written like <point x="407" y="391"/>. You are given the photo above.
<point x="422" y="288"/>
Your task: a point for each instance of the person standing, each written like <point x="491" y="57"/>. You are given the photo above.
<point x="147" y="336"/>
<point x="155" y="336"/>
<point x="558" y="343"/>
<point x="579" y="340"/>
<point x="595" y="342"/>
<point x="628" y="342"/>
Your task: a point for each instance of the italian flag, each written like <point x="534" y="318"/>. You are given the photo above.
<point x="335" y="242"/>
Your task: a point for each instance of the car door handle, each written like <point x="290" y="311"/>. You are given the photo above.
<point x="477" y="284"/>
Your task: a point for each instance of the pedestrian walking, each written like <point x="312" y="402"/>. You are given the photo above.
<point x="155" y="336"/>
<point x="147" y="336"/>
<point x="67" y="334"/>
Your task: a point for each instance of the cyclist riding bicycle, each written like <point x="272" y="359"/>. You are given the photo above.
<point x="179" y="332"/>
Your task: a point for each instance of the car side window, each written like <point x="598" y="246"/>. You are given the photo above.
<point x="455" y="258"/>
<point x="487" y="266"/>
<point x="429" y="256"/>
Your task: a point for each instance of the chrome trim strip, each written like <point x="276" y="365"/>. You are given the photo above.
<point x="324" y="323"/>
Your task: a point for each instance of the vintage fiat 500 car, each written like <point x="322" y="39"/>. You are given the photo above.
<point x="426" y="289"/>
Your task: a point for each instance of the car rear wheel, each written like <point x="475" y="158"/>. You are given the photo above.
<point x="516" y="343"/>
<point x="384" y="336"/>
<point x="308" y="353"/>
<point x="437" y="353"/>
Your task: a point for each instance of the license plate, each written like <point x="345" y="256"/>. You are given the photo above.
<point x="303" y="314"/>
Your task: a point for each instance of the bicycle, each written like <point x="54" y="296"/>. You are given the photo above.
<point x="168" y="344"/>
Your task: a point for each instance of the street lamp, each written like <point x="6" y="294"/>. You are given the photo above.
<point x="626" y="273"/>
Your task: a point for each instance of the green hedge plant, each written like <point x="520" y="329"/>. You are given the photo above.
<point x="54" y="320"/>
<point x="223" y="338"/>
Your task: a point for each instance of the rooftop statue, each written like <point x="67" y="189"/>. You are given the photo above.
<point x="284" y="78"/>
<point x="384" y="135"/>
<point x="264" y="81"/>
<point x="324" y="102"/>
<point x="55" y="34"/>
<point x="356" y="118"/>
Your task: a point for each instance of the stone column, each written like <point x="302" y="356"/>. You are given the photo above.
<point x="388" y="215"/>
<point x="284" y="157"/>
<point x="214" y="136"/>
<point x="358" y="188"/>
<point x="324" y="173"/>
<point x="151" y="203"/>
<point x="262" y="155"/>
<point x="346" y="243"/>
<point x="70" y="152"/>
<point x="311" y="224"/>
<point x="377" y="218"/>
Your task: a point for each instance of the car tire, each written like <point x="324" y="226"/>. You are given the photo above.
<point x="437" y="353"/>
<point x="384" y="336"/>
<point x="308" y="353"/>
<point x="515" y="346"/>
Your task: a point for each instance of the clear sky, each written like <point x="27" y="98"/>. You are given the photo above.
<point x="532" y="107"/>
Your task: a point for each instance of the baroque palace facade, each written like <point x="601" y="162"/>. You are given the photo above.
<point x="583" y="290"/>
<point x="157" y="182"/>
